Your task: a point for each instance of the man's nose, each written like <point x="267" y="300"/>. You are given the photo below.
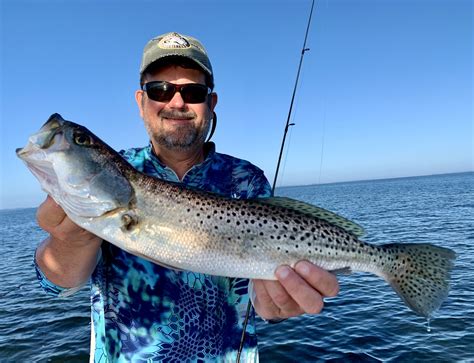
<point x="177" y="101"/>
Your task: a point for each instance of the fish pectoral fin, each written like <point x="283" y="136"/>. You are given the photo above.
<point x="314" y="211"/>
<point x="341" y="271"/>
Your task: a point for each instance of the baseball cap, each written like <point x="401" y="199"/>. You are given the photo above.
<point x="177" y="45"/>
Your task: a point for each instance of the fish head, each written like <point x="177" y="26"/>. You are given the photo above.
<point x="76" y="168"/>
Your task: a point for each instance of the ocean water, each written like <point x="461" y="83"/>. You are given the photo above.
<point x="366" y="322"/>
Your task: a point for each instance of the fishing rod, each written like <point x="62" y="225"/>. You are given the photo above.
<point x="288" y="124"/>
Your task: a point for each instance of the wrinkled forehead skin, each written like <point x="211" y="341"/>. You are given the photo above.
<point x="76" y="168"/>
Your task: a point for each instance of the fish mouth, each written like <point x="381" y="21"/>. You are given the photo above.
<point x="43" y="138"/>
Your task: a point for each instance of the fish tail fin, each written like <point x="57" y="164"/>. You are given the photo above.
<point x="420" y="274"/>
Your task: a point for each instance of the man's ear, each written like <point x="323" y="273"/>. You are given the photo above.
<point x="139" y="94"/>
<point x="212" y="101"/>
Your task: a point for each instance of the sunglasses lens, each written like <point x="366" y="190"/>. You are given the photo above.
<point x="194" y="93"/>
<point x="159" y="91"/>
<point x="164" y="91"/>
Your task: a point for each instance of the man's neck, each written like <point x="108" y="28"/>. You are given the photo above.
<point x="180" y="161"/>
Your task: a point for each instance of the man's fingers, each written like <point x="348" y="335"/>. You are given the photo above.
<point x="280" y="296"/>
<point x="263" y="302"/>
<point x="323" y="281"/>
<point x="261" y="293"/>
<point x="304" y="295"/>
<point x="49" y="214"/>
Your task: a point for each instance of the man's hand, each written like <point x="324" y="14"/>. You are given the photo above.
<point x="296" y="292"/>
<point x="52" y="218"/>
<point x="69" y="255"/>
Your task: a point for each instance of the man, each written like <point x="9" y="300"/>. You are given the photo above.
<point x="143" y="311"/>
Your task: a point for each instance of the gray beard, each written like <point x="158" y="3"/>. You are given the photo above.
<point x="183" y="138"/>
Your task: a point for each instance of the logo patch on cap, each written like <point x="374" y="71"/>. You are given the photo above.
<point x="173" y="41"/>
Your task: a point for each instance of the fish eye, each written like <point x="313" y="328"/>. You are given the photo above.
<point x="82" y="139"/>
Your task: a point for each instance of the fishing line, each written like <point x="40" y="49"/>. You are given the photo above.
<point x="322" y="143"/>
<point x="323" y="133"/>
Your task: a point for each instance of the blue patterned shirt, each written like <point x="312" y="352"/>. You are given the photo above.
<point x="143" y="312"/>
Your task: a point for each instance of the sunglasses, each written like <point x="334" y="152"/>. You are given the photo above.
<point x="163" y="91"/>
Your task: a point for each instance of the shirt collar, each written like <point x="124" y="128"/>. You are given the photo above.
<point x="209" y="150"/>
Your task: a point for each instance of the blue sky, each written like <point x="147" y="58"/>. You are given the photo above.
<point x="385" y="91"/>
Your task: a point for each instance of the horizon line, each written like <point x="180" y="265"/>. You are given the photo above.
<point x="377" y="179"/>
<point x="318" y="184"/>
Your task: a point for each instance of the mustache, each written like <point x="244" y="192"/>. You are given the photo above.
<point x="174" y="114"/>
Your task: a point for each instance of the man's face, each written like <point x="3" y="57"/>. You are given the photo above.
<point x="176" y="125"/>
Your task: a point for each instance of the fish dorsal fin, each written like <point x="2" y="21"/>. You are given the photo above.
<point x="314" y="211"/>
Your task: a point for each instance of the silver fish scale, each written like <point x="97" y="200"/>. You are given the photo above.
<point x="212" y="233"/>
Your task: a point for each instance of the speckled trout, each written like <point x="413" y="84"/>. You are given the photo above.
<point x="192" y="230"/>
